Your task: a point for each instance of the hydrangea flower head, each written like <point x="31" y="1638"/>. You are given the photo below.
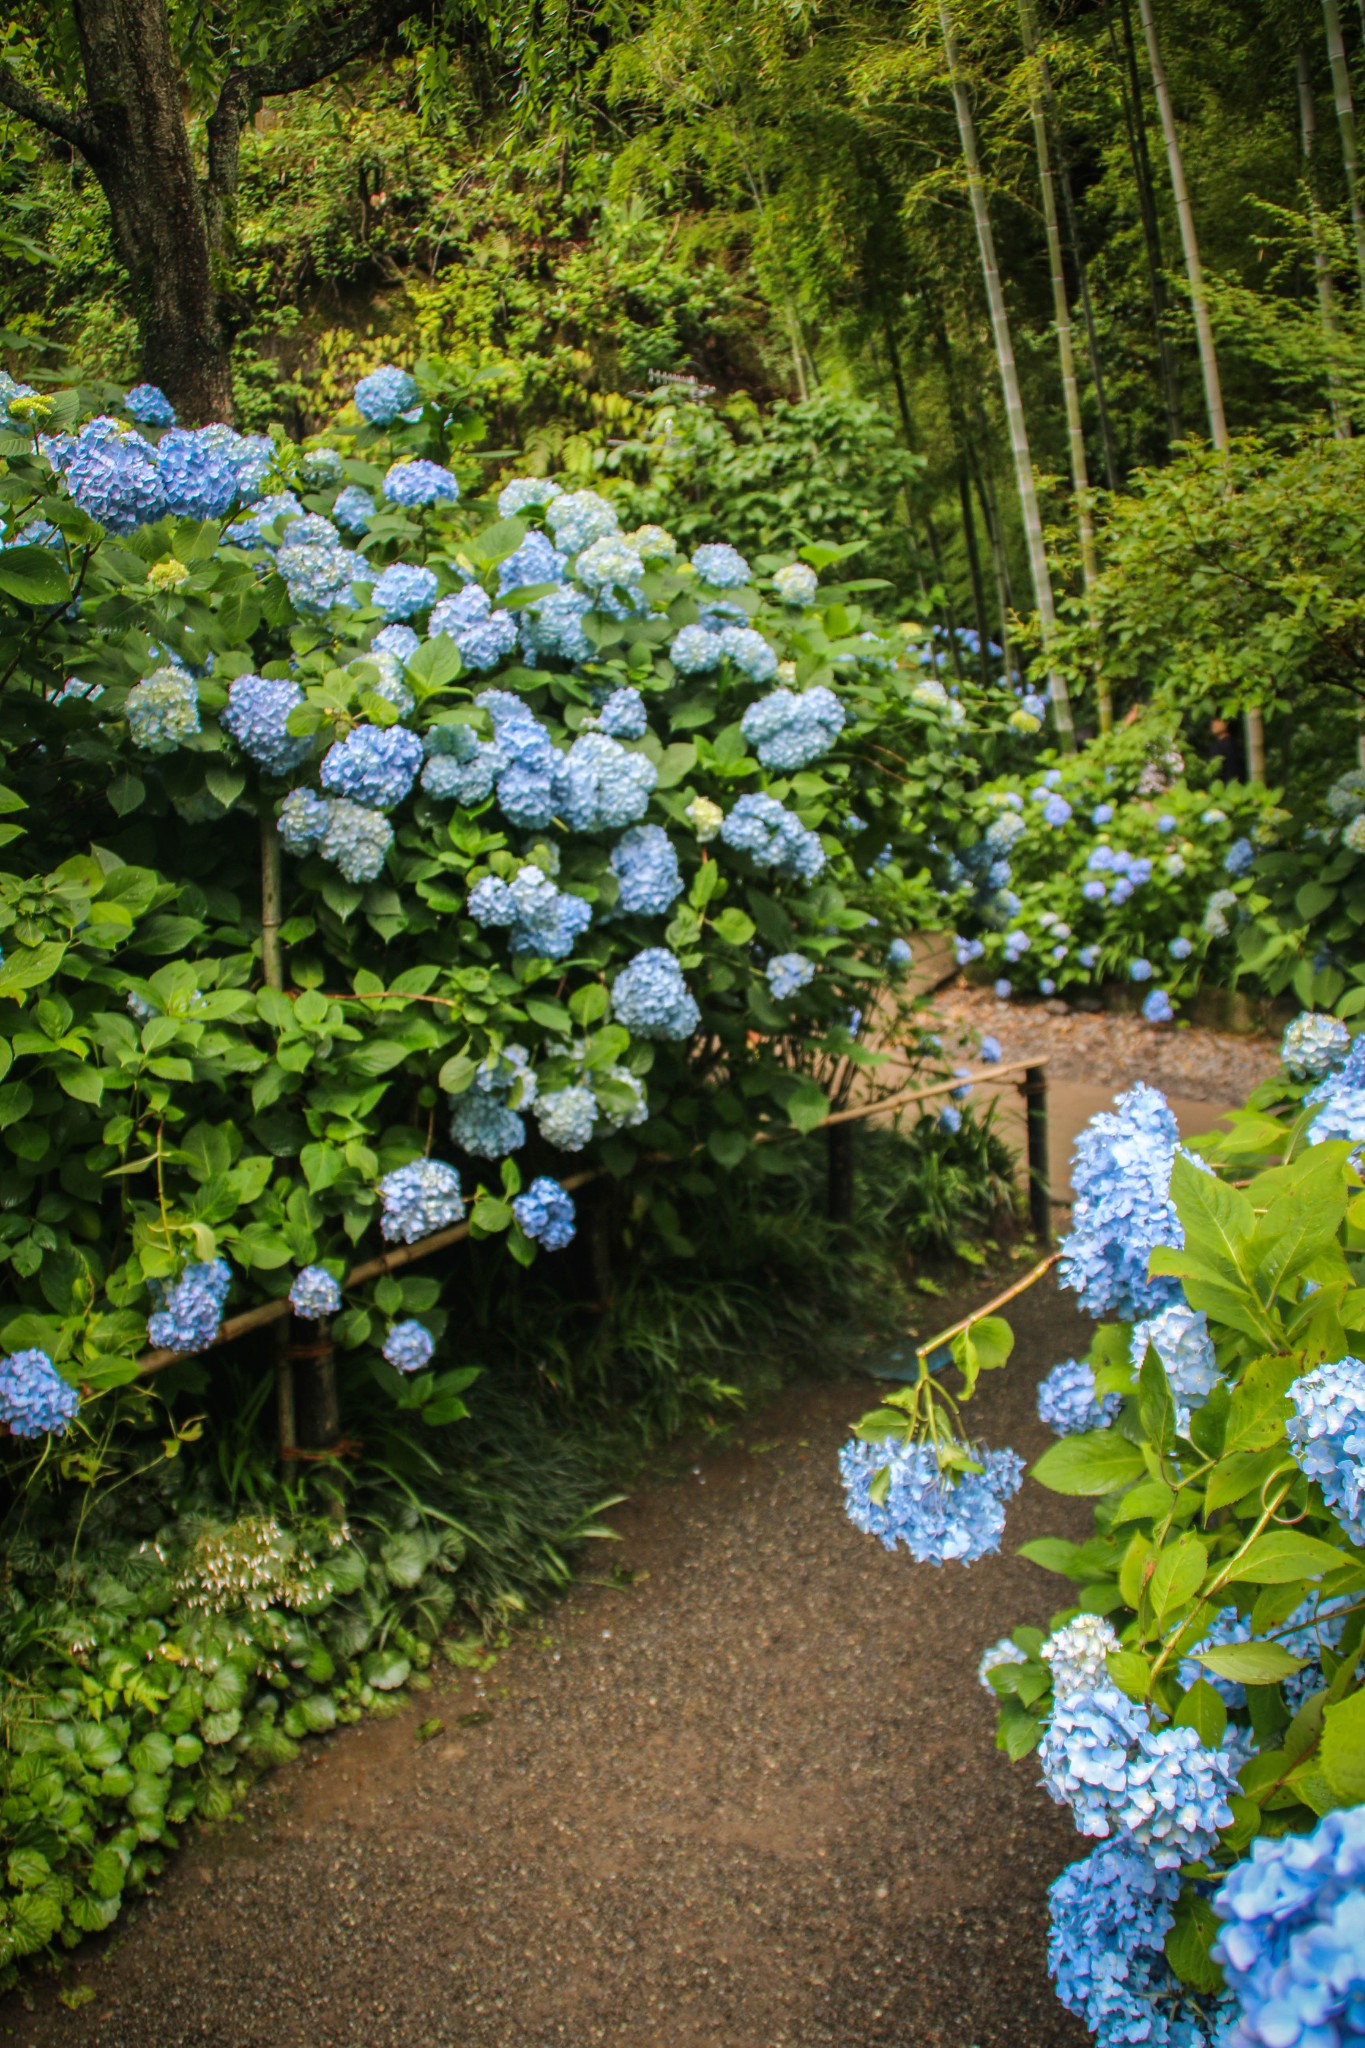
<point x="600" y="786"/>
<point x="315" y="1294"/>
<point x="544" y="921"/>
<point x="460" y="768"/>
<point x="1293" y="1941"/>
<point x="484" y="1127"/>
<point x="751" y="654"/>
<point x="1239" y="857"/>
<point x="788" y="731"/>
<point x="191" y="1307"/>
<point x="988" y="1052"/>
<point x="696" y="650"/>
<point x="113" y="475"/>
<point x="1162" y="1788"/>
<point x="788" y="974"/>
<point x="609" y="563"/>
<point x="565" y="1117"/>
<point x="899" y="956"/>
<point x="1327" y="1436"/>
<point x="150" y="406"/>
<point x="249" y="530"/>
<point x="198" y="468"/>
<point x="255" y="716"/>
<point x="646" y="866"/>
<point x="34" y="1398"/>
<point x="535" y="561"/>
<point x="419" y="1199"/>
<point x="1075" y="1654"/>
<point x="483" y="636"/>
<point x="936" y="1520"/>
<point x="1180" y="1337"/>
<point x="1067" y="1403"/>
<point x="623" y="715"/>
<point x="552" y="627"/>
<point x="374" y="765"/>
<point x="545" y="1213"/>
<point x="353" y="509"/>
<point x="319" y="467"/>
<point x="1180" y="948"/>
<point x="416" y="483"/>
<point x="651" y="999"/>
<point x="652" y="542"/>
<point x="1000" y="1653"/>
<point x="578" y="518"/>
<point x="1227" y="1626"/>
<point x="526" y="493"/>
<point x="1110" y="1915"/>
<point x="355" y="839"/>
<point x="1139" y="970"/>
<point x="318" y="571"/>
<point x="1123" y="1208"/>
<point x="706" y="819"/>
<point x="1216" y="912"/>
<point x="408" y="1346"/>
<point x="796" y="583"/>
<point x="403" y="589"/>
<point x="720" y="565"/>
<point x="385" y="394"/>
<point x="1313" y="1044"/>
<point x="773" y="837"/>
<point x="303" y="820"/>
<point x="163" y="711"/>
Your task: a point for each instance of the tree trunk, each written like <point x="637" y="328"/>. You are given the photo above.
<point x="1135" y="120"/>
<point x="1000" y="567"/>
<point x="1346" y="122"/>
<point x="1203" y="326"/>
<point x="1111" y="459"/>
<point x="1061" y="309"/>
<point x="1322" y="269"/>
<point x="1009" y="379"/>
<point x="141" y="155"/>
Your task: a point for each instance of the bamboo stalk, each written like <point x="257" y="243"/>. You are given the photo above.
<point x="1009" y="379"/>
<point x="1346" y="122"/>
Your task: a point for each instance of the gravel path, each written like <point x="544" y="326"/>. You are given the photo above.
<point x="748" y="1800"/>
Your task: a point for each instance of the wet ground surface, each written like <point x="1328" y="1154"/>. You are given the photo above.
<point x="739" y="1793"/>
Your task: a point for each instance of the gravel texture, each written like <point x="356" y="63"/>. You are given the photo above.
<point x="749" y="1799"/>
<point x="1206" y="1066"/>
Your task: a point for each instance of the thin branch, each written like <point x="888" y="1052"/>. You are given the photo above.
<point x="32" y="105"/>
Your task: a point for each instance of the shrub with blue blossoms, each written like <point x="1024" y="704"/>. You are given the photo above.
<point x="1199" y="1704"/>
<point x="344" y="788"/>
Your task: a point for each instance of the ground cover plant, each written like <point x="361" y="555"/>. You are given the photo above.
<point x="1197" y="1703"/>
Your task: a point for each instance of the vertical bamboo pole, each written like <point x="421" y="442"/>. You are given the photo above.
<point x="1009" y="379"/>
<point x="1346" y="122"/>
<point x="1111" y="457"/>
<point x="1322" y="269"/>
<point x="1061" y="313"/>
<point x="1203" y="326"/>
<point x="1135" y="120"/>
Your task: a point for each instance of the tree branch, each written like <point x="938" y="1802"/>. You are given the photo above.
<point x="362" y="30"/>
<point x="32" y="105"/>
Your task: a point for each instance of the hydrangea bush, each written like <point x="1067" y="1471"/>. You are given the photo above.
<point x="382" y="846"/>
<point x="1198" y="1701"/>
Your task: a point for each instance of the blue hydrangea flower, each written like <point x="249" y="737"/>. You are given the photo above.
<point x="609" y="564"/>
<point x="408" y="1346"/>
<point x="9" y="391"/>
<point x="651" y="999"/>
<point x="34" y="1398"/>
<point x="403" y="589"/>
<point x="773" y="837"/>
<point x="752" y="655"/>
<point x="1066" y="1400"/>
<point x="1293" y="1941"/>
<point x="578" y="518"/>
<point x="1327" y="1436"/>
<point x="163" y="711"/>
<point x="950" y="1119"/>
<point x="545" y="1213"/>
<point x="1162" y="1787"/>
<point x="1239" y="857"/>
<point x="1002" y="988"/>
<point x="510" y="1074"/>
<point x="1088" y="957"/>
<point x="646" y="866"/>
<point x="1003" y="832"/>
<point x="1000" y="1653"/>
<point x="696" y="650"/>
<point x="1216" y="912"/>
<point x="1180" y="948"/>
<point x="255" y="716"/>
<point x="150" y="406"/>
<point x="1314" y="1626"/>
<point x="303" y="820"/>
<point x="355" y="839"/>
<point x="535" y="561"/>
<point x="1110" y="1915"/>
<point x="720" y="565"/>
<point x="1094" y="891"/>
<point x="1056" y="811"/>
<point x="967" y="950"/>
<point x="353" y="509"/>
<point x="552" y="627"/>
<point x="937" y="1520"/>
<point x="1180" y="1337"/>
<point x="1076" y="1654"/>
<point x="544" y="921"/>
<point x="419" y="1199"/>
<point x="1101" y="815"/>
<point x="1313" y="1044"/>
<point x="460" y="768"/>
<point x="1123" y="1209"/>
<point x="112" y="474"/>
<point x="399" y="641"/>
<point x="624" y="1104"/>
<point x="416" y="483"/>
<point x="374" y="765"/>
<point x="599" y="786"/>
<point x="528" y="764"/>
<point x="483" y="636"/>
<point x="526" y="493"/>
<point x="1341" y="1110"/>
<point x="385" y="394"/>
<point x="623" y="715"/>
<point x="988" y="1052"/>
<point x="318" y="571"/>
<point x="249" y="530"/>
<point x="788" y="731"/>
<point x="795" y="583"/>
<point x="319" y="467"/>
<point x="198" y="467"/>
<point x="484" y="1127"/>
<point x="1139" y="970"/>
<point x="565" y="1117"/>
<point x="899" y="956"/>
<point x="788" y="974"/>
<point x="191" y="1307"/>
<point x="315" y="1295"/>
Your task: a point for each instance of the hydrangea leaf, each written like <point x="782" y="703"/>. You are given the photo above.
<point x="34" y="575"/>
<point x="1343" y="1748"/>
<point x="1093" y="1463"/>
<point x="1251" y="1663"/>
<point x="1282" y="1556"/>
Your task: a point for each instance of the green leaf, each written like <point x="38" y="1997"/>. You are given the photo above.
<point x="1093" y="1463"/>
<point x="807" y="1106"/>
<point x="553" y="1016"/>
<point x="106" y="1873"/>
<point x="1177" y="1576"/>
<point x="1256" y="1412"/>
<point x="1131" y="1672"/>
<point x="26" y="1868"/>
<point x="733" y="927"/>
<point x="1203" y="1710"/>
<point x="1284" y="1555"/>
<point x="385" y="1670"/>
<point x="34" y="575"/>
<point x="125" y="792"/>
<point x="1054" y="1554"/>
<point x="458" y="1073"/>
<point x="1251" y="1663"/>
<point x="727" y="1148"/>
<point x="984" y="1346"/>
<point x="226" y="1688"/>
<point x="1343" y="1748"/>
<point x="588" y="1003"/>
<point x="1190" y="1942"/>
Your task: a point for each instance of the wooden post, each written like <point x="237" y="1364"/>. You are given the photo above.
<point x="840" y="1141"/>
<point x="1035" y="1122"/>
